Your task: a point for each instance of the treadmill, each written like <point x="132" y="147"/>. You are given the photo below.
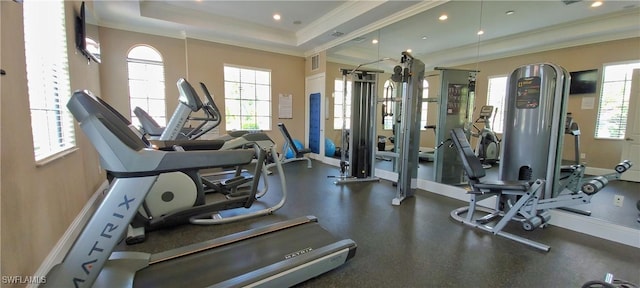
<point x="277" y="255"/>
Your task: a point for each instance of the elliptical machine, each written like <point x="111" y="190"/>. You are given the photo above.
<point x="488" y="146"/>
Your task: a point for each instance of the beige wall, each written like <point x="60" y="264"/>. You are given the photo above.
<point x="201" y="61"/>
<point x="115" y="45"/>
<point x="600" y="153"/>
<point x="206" y="62"/>
<point x="38" y="202"/>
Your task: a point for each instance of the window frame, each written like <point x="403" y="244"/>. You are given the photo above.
<point x="391" y="93"/>
<point x="497" y="119"/>
<point x="337" y="107"/>
<point x="48" y="92"/>
<point x="243" y="99"/>
<point x="425" y="105"/>
<point x="158" y="114"/>
<point x="624" y="113"/>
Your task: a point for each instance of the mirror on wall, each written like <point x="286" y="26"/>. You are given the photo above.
<point x="491" y="32"/>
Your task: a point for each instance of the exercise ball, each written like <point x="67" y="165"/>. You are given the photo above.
<point x="299" y="146"/>
<point x="329" y="148"/>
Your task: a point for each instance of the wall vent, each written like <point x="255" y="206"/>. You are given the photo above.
<point x="315" y="64"/>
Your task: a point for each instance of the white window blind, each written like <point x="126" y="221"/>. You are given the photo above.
<point x="47" y="77"/>
<point x="496" y="95"/>
<point x="613" y="108"/>
<point x="425" y="105"/>
<point x="247" y="94"/>
<point x="337" y="104"/>
<point x="146" y="84"/>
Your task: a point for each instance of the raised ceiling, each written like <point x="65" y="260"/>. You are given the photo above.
<point x="345" y="28"/>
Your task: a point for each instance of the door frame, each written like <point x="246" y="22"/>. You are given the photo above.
<point x="632" y="137"/>
<point x="315" y="84"/>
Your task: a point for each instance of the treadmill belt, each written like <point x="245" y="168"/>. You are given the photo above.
<point x="229" y="261"/>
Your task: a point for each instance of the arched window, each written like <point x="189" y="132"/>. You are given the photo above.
<point x="389" y="93"/>
<point x="146" y="83"/>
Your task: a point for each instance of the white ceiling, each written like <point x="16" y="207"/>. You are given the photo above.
<point x="308" y="27"/>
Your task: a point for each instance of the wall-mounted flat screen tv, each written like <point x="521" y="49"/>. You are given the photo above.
<point x="584" y="82"/>
<point x="87" y="46"/>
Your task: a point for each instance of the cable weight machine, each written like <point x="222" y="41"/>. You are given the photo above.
<point x="362" y="131"/>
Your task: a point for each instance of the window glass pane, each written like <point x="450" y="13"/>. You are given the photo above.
<point x="155" y="91"/>
<point x="337" y="98"/>
<point x="263" y="122"/>
<point x="156" y="108"/>
<point x="139" y="102"/>
<point x="249" y="123"/>
<point x="263" y="92"/>
<point x="337" y="111"/>
<point x="263" y="108"/>
<point x="248" y="91"/>
<point x="232" y="122"/>
<point x="231" y="90"/>
<point x="248" y="108"/>
<point x="231" y="74"/>
<point x="144" y="53"/>
<point x="263" y="77"/>
<point x="232" y="107"/>
<point x="247" y="76"/>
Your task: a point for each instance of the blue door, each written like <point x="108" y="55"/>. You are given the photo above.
<point x="314" y="122"/>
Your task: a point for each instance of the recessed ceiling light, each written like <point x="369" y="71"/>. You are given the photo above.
<point x="443" y="17"/>
<point x="276" y="17"/>
<point x="510" y="12"/>
<point x="424" y="37"/>
<point x="596" y="4"/>
<point x="480" y="32"/>
<point x="374" y="41"/>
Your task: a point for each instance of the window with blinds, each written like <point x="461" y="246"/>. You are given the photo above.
<point x="47" y="78"/>
<point x="338" y="88"/>
<point x="496" y="96"/>
<point x="146" y="84"/>
<point x="425" y="105"/>
<point x="613" y="108"/>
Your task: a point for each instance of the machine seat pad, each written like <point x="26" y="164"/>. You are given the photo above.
<point x="303" y="151"/>
<point x="188" y="145"/>
<point x="503" y="185"/>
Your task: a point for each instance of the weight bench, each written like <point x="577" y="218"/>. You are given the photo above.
<point x="520" y="201"/>
<point x="298" y="154"/>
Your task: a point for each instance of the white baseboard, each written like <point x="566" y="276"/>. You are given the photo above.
<point x="598" y="171"/>
<point x="59" y="251"/>
<point x="571" y="221"/>
<point x="596" y="227"/>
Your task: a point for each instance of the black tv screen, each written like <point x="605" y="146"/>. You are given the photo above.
<point x="81" y="36"/>
<point x="583" y="82"/>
